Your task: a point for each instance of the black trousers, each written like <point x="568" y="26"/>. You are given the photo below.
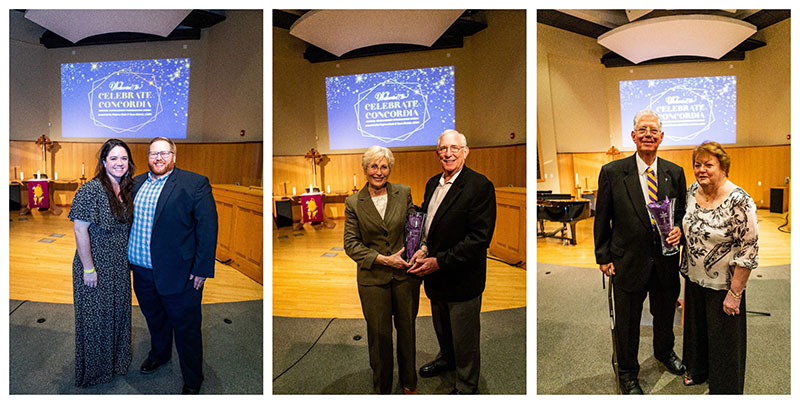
<point x="458" y="330"/>
<point x="714" y="343"/>
<point x="398" y="300"/>
<point x="177" y="315"/>
<point x="628" y="308"/>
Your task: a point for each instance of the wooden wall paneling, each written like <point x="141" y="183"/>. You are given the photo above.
<point x="566" y="173"/>
<point x="587" y="166"/>
<point x="502" y="165"/>
<point x="223" y="163"/>
<point x="291" y="170"/>
<point x="768" y="164"/>
<point x="414" y="168"/>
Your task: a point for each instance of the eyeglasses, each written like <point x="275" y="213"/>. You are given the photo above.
<point x="163" y="154"/>
<point x="453" y="149"/>
<point x="643" y="131"/>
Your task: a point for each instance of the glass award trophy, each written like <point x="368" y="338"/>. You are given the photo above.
<point x="663" y="213"/>
<point x="414" y="225"/>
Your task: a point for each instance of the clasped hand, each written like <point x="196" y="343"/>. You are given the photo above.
<point x="674" y="236"/>
<point x="396" y="260"/>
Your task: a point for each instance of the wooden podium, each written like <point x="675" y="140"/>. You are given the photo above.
<point x="508" y="241"/>
<point x="241" y="232"/>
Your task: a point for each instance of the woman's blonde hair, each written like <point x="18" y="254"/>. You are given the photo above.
<point x="715" y="149"/>
<point x="376" y="153"/>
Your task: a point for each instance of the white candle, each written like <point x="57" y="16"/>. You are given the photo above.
<point x="577" y="182"/>
<point x="38" y="174"/>
<point x="310" y="187"/>
<point x="56" y="175"/>
<point x="294" y="190"/>
<point x="329" y="189"/>
<point x="21" y="176"/>
<point x="83" y="172"/>
<point x="355" y="185"/>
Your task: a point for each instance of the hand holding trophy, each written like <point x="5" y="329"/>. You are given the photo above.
<point x="663" y="213"/>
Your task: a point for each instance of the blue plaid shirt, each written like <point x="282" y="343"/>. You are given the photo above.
<point x="144" y="210"/>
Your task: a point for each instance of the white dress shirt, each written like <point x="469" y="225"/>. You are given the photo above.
<point x="437" y="198"/>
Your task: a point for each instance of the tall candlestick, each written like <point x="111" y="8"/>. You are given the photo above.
<point x="83" y="171"/>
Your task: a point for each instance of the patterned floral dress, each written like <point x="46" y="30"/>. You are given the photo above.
<point x="102" y="314"/>
<point x="719" y="239"/>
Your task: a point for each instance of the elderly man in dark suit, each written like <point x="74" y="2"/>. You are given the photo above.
<point x="171" y="250"/>
<point x="461" y="209"/>
<point x="628" y="246"/>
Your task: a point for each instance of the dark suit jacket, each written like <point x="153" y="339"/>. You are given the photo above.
<point x="623" y="233"/>
<point x="184" y="239"/>
<point x="459" y="235"/>
<point x="366" y="235"/>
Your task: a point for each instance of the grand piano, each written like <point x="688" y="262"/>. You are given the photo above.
<point x="561" y="208"/>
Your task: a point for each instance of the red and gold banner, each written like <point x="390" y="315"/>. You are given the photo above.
<point x="38" y="194"/>
<point x="311" y="208"/>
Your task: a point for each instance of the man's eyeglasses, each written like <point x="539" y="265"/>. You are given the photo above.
<point x="643" y="131"/>
<point x="453" y="149"/>
<point x="163" y="154"/>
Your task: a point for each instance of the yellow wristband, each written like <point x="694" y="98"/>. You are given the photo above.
<point x="88" y="271"/>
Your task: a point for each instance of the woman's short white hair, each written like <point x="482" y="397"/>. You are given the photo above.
<point x="452" y="131"/>
<point x="375" y="153"/>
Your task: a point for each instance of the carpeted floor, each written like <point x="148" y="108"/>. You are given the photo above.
<point x="339" y="364"/>
<point x="574" y="336"/>
<point x="42" y="353"/>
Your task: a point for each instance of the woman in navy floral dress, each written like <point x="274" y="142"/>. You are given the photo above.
<point x="102" y="212"/>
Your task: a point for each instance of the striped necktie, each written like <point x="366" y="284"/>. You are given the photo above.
<point x="652" y="189"/>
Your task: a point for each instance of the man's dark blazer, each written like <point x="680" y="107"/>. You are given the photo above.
<point x="459" y="235"/>
<point x="623" y="233"/>
<point x="184" y="239"/>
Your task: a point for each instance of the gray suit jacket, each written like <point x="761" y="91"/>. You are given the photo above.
<point x="366" y="235"/>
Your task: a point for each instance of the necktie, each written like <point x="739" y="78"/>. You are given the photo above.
<point x="652" y="189"/>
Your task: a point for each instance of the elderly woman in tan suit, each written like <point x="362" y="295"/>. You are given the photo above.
<point x="374" y="234"/>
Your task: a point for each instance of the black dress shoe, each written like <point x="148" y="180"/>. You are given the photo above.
<point x="689" y="380"/>
<point x="189" y="390"/>
<point x="149" y="366"/>
<point x="457" y="392"/>
<point x="630" y="386"/>
<point x="434" y="368"/>
<point x="673" y="364"/>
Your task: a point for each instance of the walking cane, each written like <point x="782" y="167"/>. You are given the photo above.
<point x="614" y="363"/>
